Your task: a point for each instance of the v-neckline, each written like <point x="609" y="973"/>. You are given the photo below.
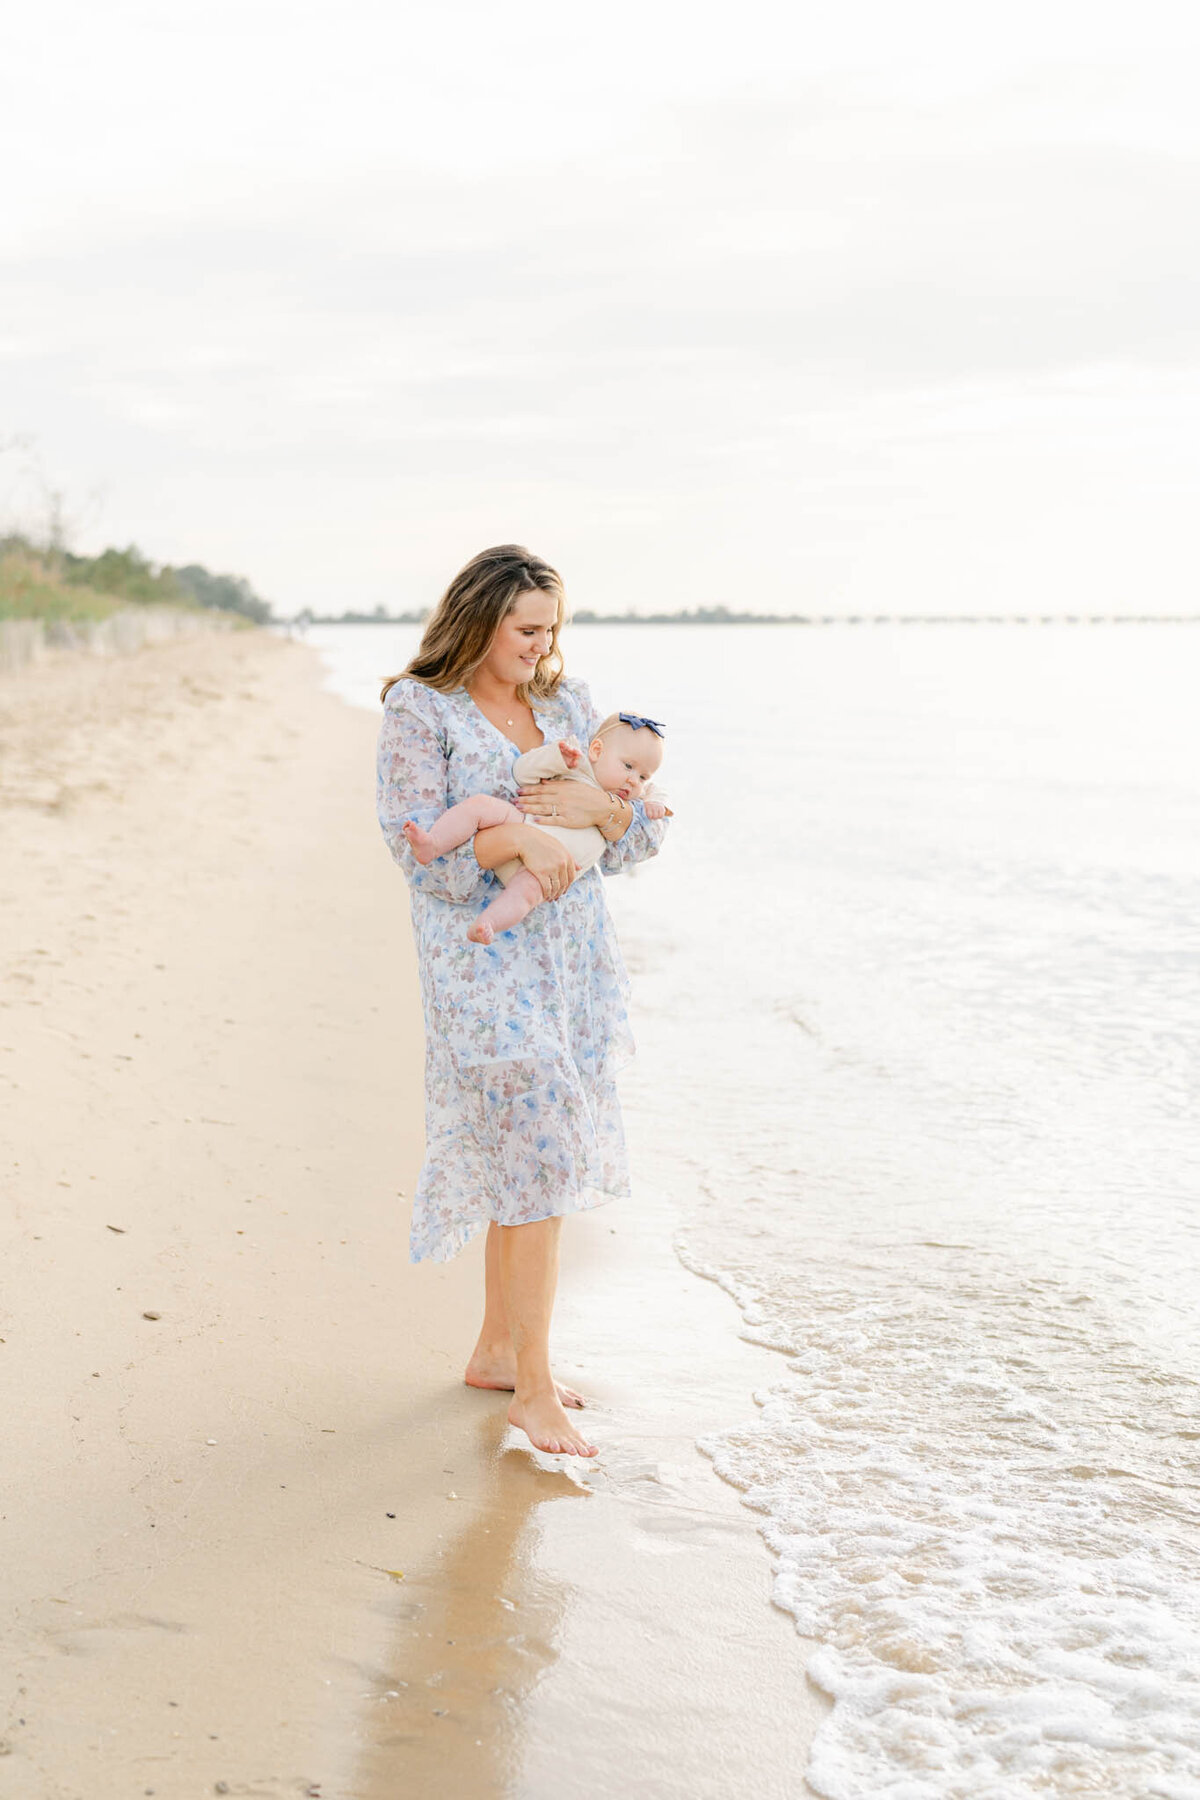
<point x="500" y="732"/>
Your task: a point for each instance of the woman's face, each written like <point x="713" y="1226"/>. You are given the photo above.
<point x="522" y="637"/>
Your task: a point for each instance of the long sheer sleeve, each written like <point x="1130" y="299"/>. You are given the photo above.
<point x="411" y="783"/>
<point x="645" y="836"/>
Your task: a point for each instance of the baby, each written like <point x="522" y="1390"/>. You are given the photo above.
<point x="622" y="759"/>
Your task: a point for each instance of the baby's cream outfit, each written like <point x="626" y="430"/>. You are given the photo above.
<point x="586" y="843"/>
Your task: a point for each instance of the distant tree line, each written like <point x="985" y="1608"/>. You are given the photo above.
<point x="724" y="615"/>
<point x="380" y="616"/>
<point x="700" y="615"/>
<point x="230" y="593"/>
<point x="696" y="615"/>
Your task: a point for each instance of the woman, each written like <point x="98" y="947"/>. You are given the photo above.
<point x="522" y="1039"/>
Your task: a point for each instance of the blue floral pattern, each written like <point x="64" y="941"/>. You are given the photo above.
<point x="523" y="1038"/>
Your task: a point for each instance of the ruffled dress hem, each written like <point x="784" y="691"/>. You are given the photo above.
<point x="446" y="1245"/>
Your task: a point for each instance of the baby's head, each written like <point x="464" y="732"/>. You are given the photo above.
<point x="625" y="754"/>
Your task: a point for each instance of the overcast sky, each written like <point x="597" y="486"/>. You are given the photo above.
<point x="838" y="308"/>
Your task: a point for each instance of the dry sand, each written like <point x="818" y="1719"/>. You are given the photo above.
<point x="257" y="1537"/>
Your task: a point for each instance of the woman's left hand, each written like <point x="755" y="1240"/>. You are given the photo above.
<point x="562" y="802"/>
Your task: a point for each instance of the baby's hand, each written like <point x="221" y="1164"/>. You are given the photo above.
<point x="570" y="755"/>
<point x="656" y="809"/>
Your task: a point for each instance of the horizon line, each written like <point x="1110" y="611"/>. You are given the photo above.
<point x="720" y="616"/>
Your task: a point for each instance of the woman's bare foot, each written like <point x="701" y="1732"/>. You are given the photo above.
<point x="500" y="1371"/>
<point x="422" y="843"/>
<point x="480" y="933"/>
<point x="547" y="1426"/>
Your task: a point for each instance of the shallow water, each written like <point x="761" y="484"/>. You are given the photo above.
<point x="917" y="996"/>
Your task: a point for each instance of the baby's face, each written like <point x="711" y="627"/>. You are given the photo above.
<point x="626" y="761"/>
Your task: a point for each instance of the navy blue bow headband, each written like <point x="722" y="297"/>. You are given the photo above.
<point x="637" y="722"/>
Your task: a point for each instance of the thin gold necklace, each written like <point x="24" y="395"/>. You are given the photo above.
<point x="507" y="721"/>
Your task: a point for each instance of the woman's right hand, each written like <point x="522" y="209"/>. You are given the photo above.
<point x="547" y="860"/>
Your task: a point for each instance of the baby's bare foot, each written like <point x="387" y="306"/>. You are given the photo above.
<point x="422" y="843"/>
<point x="481" y="932"/>
<point x="546" y="1425"/>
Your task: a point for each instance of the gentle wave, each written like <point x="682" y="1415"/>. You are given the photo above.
<point x="997" y="1552"/>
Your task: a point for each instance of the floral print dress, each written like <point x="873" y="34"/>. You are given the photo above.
<point x="523" y="1038"/>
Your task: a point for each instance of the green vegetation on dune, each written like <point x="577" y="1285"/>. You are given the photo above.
<point x="32" y="586"/>
<point x="37" y="583"/>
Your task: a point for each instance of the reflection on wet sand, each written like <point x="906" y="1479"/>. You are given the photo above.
<point x="474" y="1631"/>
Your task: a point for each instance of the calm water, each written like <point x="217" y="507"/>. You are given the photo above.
<point x="918" y="998"/>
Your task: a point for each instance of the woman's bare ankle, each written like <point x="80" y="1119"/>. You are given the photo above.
<point x="539" y="1386"/>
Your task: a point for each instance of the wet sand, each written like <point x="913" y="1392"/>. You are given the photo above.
<point x="266" y="1538"/>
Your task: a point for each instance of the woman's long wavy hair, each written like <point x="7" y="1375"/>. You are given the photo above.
<point x="460" y="629"/>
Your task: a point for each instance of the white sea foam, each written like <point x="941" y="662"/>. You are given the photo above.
<point x="985" y="1506"/>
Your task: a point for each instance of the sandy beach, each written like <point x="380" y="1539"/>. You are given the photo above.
<point x="257" y="1537"/>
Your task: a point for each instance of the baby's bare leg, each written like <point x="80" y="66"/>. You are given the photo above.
<point x="522" y="894"/>
<point x="458" y="824"/>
